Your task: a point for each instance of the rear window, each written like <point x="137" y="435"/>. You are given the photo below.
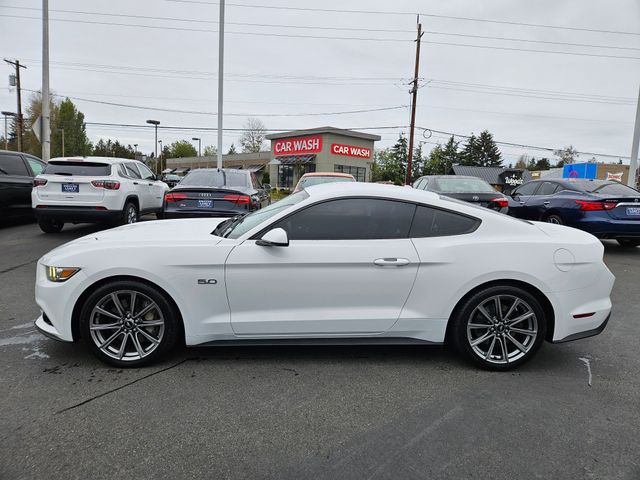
<point x="614" y="188"/>
<point x="463" y="185"/>
<point x="433" y="222"/>
<point x="309" y="181"/>
<point x="78" y="169"/>
<point x="214" y="178"/>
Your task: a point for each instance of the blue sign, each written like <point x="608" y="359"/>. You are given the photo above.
<point x="580" y="170"/>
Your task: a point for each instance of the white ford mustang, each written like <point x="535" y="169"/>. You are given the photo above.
<point x="337" y="263"/>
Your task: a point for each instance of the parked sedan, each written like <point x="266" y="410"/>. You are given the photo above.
<point x="211" y="192"/>
<point x="605" y="208"/>
<point x="468" y="189"/>
<point x="346" y="263"/>
<point x="17" y="171"/>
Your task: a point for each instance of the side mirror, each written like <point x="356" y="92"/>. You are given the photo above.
<point x="274" y="238"/>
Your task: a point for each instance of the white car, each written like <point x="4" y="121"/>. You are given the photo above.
<point x="336" y="263"/>
<point x="94" y="189"/>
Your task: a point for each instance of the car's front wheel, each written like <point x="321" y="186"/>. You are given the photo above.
<point x="499" y="327"/>
<point x="128" y="323"/>
<point x="629" y="242"/>
<point x="50" y="225"/>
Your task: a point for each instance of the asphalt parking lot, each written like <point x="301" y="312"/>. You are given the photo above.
<point x="313" y="412"/>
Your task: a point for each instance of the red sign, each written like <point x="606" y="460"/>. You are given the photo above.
<point x="350" y="150"/>
<point x="295" y="146"/>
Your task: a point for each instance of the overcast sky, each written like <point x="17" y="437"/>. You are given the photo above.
<point x="525" y="97"/>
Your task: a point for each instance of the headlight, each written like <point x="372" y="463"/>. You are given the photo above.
<point x="61" y="274"/>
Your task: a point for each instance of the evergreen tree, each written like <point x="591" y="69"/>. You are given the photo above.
<point x="489" y="154"/>
<point x="71" y="120"/>
<point x="232" y="150"/>
<point x="442" y="158"/>
<point x="469" y="154"/>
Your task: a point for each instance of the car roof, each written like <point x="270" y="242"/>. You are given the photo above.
<point x="327" y="174"/>
<point x="108" y="160"/>
<point x="240" y="170"/>
<point x="329" y="190"/>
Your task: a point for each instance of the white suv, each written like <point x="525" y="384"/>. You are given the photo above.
<point x="94" y="189"/>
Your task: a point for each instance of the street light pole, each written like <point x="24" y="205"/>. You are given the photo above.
<point x="199" y="145"/>
<point x="135" y="150"/>
<point x="155" y="123"/>
<point x="220" y="78"/>
<point x="160" y="159"/>
<point x="46" y="113"/>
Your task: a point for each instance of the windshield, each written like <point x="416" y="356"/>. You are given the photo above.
<point x="463" y="185"/>
<point x="78" y="169"/>
<point x="237" y="226"/>
<point x="214" y="178"/>
<point x="317" y="180"/>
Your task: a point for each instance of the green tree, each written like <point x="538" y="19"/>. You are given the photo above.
<point x="566" y="155"/>
<point x="111" y="148"/>
<point x="210" y="151"/>
<point x="253" y="136"/>
<point x="469" y="154"/>
<point x="481" y="151"/>
<point x="71" y="120"/>
<point x="543" y="164"/>
<point x="232" y="150"/>
<point x="417" y="162"/>
<point x="179" y="149"/>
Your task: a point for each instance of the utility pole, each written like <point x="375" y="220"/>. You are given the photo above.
<point x="220" y="79"/>
<point x="17" y="66"/>
<point x="633" y="163"/>
<point x="414" y="97"/>
<point x="45" y="135"/>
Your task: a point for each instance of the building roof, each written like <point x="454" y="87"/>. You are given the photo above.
<point x="489" y="174"/>
<point x="320" y="130"/>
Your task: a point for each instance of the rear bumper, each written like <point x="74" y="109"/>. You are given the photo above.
<point x="609" y="227"/>
<point x="199" y="214"/>
<point x="76" y="214"/>
<point x="586" y="334"/>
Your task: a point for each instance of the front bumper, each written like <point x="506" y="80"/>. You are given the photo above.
<point x="44" y="326"/>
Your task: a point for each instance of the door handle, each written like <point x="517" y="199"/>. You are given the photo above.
<point x="391" y="262"/>
<point x="521" y="202"/>
<point x="135" y="183"/>
<point x="546" y="202"/>
<point x="151" y="184"/>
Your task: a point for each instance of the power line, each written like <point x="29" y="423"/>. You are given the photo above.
<point x="318" y="27"/>
<point x="413" y="14"/>
<point x="321" y="37"/>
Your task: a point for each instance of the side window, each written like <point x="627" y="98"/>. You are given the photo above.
<point x="144" y="170"/>
<point x="13" y="165"/>
<point x="547" y="188"/>
<point x="526" y="189"/>
<point x="254" y="181"/>
<point x="131" y="170"/>
<point x="350" y="219"/>
<point x="422" y="184"/>
<point x="36" y="166"/>
<point x="432" y="222"/>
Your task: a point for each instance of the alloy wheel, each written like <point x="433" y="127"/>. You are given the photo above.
<point x="502" y="329"/>
<point x="132" y="215"/>
<point x="127" y="325"/>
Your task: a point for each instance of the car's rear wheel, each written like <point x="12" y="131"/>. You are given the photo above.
<point x="130" y="213"/>
<point x="499" y="327"/>
<point x="50" y="225"/>
<point x="555" y="219"/>
<point x="128" y="323"/>
<point x="628" y="242"/>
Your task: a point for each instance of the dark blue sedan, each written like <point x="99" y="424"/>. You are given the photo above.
<point x="604" y="208"/>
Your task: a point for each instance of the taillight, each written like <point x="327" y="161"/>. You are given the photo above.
<point x="174" y="197"/>
<point x="106" y="184"/>
<point x="238" y="199"/>
<point x="39" y="182"/>
<point x="595" y="206"/>
<point x="501" y="201"/>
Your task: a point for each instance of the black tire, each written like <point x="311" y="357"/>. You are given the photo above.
<point x="555" y="219"/>
<point x="628" y="242"/>
<point x="167" y="338"/>
<point x="129" y="214"/>
<point x="462" y="337"/>
<point x="50" y="225"/>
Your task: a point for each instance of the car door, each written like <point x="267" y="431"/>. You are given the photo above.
<point x="154" y="189"/>
<point x="520" y="196"/>
<point x="348" y="270"/>
<point x="15" y="184"/>
<point x="139" y="186"/>
<point x="538" y="204"/>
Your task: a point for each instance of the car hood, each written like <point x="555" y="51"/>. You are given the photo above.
<point x="160" y="232"/>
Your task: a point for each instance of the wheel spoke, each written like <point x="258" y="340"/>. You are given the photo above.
<point x="108" y="341"/>
<point x="481" y="339"/>
<point x="123" y="346"/>
<point x="478" y="325"/>
<point x="496" y="300"/>
<point x="105" y="326"/>
<point x="116" y="302"/>
<point x="136" y="344"/>
<point x="145" y="310"/>
<point x="530" y="333"/>
<point x="132" y="302"/>
<point x="505" y="352"/>
<point x="512" y="308"/>
<point x="484" y="312"/>
<point x="104" y="312"/>
<point x="521" y="318"/>
<point x="490" y="351"/>
<point x="520" y="347"/>
<point x="148" y="336"/>
<point x="151" y="323"/>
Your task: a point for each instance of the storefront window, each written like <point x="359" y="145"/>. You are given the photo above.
<point x="288" y="175"/>
<point x="359" y="173"/>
